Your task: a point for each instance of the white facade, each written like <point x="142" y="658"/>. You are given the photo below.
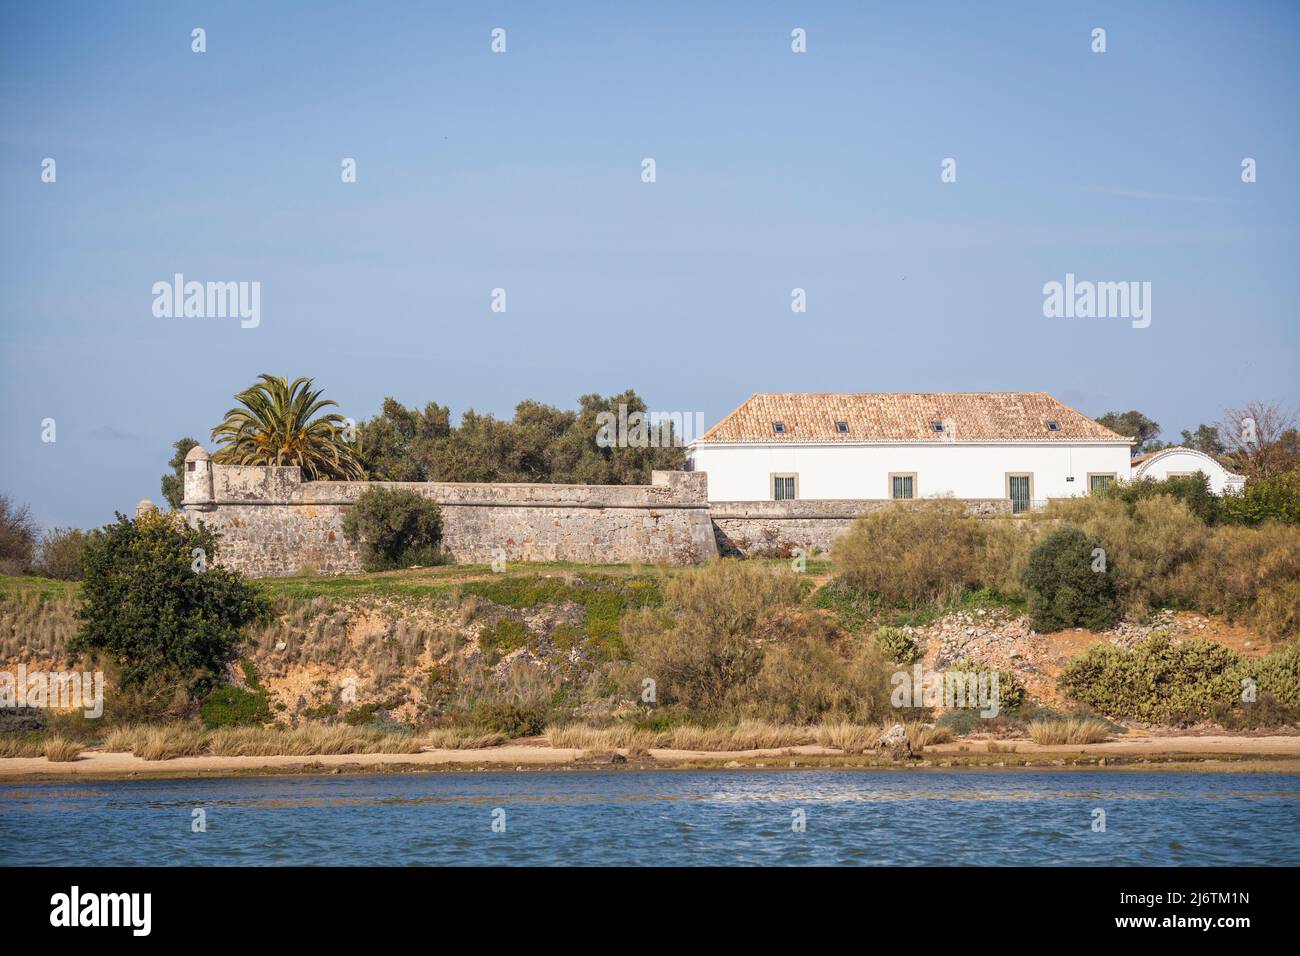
<point x="744" y="471"/>
<point x="1186" y="461"/>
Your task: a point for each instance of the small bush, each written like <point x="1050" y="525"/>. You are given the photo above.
<point x="230" y="706"/>
<point x="1065" y="587"/>
<point x="897" y="645"/>
<point x="1012" y="695"/>
<point x="848" y="737"/>
<point x="395" y="527"/>
<point x="703" y="643"/>
<point x="510" y="720"/>
<point x="1004" y="549"/>
<point x="920" y="736"/>
<point x="59" y="554"/>
<point x="168" y="741"/>
<point x="732" y="642"/>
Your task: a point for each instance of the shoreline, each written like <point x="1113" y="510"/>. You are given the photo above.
<point x="1217" y="753"/>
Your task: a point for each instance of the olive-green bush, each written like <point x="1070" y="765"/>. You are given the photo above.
<point x="897" y="645"/>
<point x="395" y="527"/>
<point x="1158" y="680"/>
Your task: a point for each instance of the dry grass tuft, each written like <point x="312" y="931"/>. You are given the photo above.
<point x="21" y="746"/>
<point x="583" y="737"/>
<point x="921" y="736"/>
<point x="850" y="738"/>
<point x="745" y="735"/>
<point x="457" y="738"/>
<point x="168" y="741"/>
<point x="308" y="741"/>
<point x="61" y="749"/>
<point x="1085" y="730"/>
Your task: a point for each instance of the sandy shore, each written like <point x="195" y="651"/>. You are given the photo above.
<point x="1274" y="754"/>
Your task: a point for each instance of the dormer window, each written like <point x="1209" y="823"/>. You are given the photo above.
<point x="1053" y="425"/>
<point x="778" y="428"/>
<point x="842" y="428"/>
<point x="937" y="426"/>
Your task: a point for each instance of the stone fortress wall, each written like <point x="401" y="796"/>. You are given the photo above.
<point x="776" y="527"/>
<point x="272" y="523"/>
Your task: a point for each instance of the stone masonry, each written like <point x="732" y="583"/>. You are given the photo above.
<point x="775" y="528"/>
<point x="272" y="523"/>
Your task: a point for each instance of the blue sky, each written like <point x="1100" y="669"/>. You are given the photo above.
<point x="522" y="171"/>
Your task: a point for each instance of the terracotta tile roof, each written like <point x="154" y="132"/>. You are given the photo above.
<point x="906" y="416"/>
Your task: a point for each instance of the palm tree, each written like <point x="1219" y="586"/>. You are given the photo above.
<point x="275" y="426"/>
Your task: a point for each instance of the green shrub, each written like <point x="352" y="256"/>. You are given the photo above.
<point x="1012" y="695"/>
<point x="230" y="706"/>
<point x="395" y="527"/>
<point x="1278" y="674"/>
<point x="1275" y="498"/>
<point x="502" y="636"/>
<point x="897" y="645"/>
<point x="1157" y="681"/>
<point x="1063" y="588"/>
<point x="157" y="609"/>
<point x="360" y="716"/>
<point x="59" y="554"/>
<point x="511" y="719"/>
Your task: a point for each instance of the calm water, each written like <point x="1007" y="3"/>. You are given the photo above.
<point x="972" y="818"/>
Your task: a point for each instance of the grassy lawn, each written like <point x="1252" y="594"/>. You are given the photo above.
<point x="438" y="581"/>
<point x="17" y="585"/>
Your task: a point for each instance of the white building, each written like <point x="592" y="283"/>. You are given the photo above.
<point x="1172" y="462"/>
<point x="1025" y="446"/>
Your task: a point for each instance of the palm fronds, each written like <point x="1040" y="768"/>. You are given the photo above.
<point x="279" y="422"/>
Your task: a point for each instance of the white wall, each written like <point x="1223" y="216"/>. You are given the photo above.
<point x="1183" y="460"/>
<point x="962" y="470"/>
